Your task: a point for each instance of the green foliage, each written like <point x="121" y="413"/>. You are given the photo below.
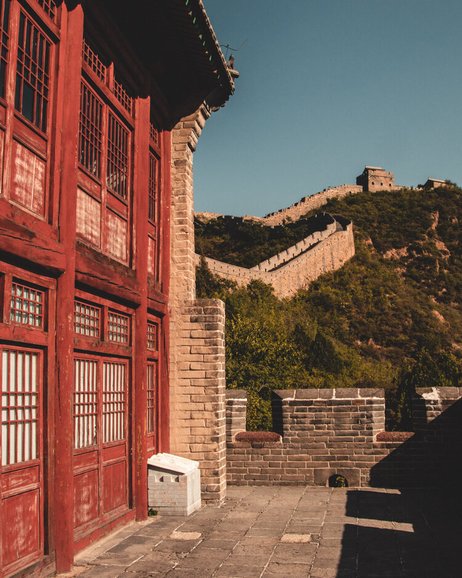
<point x="391" y="317"/>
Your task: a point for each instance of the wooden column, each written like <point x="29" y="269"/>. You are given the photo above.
<point x="140" y="256"/>
<point x="67" y="126"/>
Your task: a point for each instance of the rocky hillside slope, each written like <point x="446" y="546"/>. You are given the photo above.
<point x="391" y="317"/>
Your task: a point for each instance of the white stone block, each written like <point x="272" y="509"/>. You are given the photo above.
<point x="174" y="485"/>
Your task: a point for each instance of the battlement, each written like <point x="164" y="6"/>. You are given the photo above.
<point x="326" y="432"/>
<point x="323" y="251"/>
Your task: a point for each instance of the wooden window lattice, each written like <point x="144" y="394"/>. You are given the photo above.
<point x="118" y="327"/>
<point x="123" y="97"/>
<point x="50" y="7"/>
<point x="20" y="406"/>
<point x="151" y="392"/>
<point x="4" y="39"/>
<point x="87" y="319"/>
<point x="114" y="401"/>
<point x="32" y="73"/>
<point x="117" y="171"/>
<point x="85" y="403"/>
<point x="94" y="62"/>
<point x="27" y="305"/>
<point x="154" y="134"/>
<point x="152" y="336"/>
<point x="152" y="190"/>
<point x="90" y="132"/>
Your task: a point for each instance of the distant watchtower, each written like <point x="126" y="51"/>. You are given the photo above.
<point x="376" y="179"/>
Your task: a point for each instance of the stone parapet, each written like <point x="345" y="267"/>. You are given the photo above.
<point x="341" y="432"/>
<point x="236" y="413"/>
<point x="312" y="203"/>
<point x="293" y="270"/>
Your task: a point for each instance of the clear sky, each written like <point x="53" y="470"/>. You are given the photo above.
<point x="326" y="87"/>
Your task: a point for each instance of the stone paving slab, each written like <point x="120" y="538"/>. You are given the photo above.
<point x="291" y="532"/>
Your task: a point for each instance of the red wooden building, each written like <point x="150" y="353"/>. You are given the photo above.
<point x="89" y="92"/>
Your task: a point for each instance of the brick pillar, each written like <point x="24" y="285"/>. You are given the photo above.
<point x="197" y="350"/>
<point x="236" y="413"/>
<point x="428" y="403"/>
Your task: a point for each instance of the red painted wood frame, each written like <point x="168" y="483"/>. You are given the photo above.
<point x="106" y="141"/>
<point x="26" y="102"/>
<point x="154" y="365"/>
<point x="154" y="209"/>
<point x="26" y="351"/>
<point x="103" y="400"/>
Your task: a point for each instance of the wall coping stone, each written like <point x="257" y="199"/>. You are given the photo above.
<point x="394" y="436"/>
<point x="236" y="394"/>
<point x="257" y="436"/>
<point x="337" y="393"/>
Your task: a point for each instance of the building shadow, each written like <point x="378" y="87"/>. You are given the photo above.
<point x="415" y="528"/>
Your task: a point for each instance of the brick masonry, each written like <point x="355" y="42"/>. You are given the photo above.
<point x="325" y="432"/>
<point x="197" y="351"/>
<point x="298" y="266"/>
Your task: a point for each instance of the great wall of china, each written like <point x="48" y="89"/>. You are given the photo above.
<point x="323" y="251"/>
<point x="295" y="268"/>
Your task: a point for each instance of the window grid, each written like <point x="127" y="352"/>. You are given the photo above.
<point x="117" y="158"/>
<point x="32" y="74"/>
<point x="85" y="403"/>
<point x="90" y="131"/>
<point x="50" y="7"/>
<point x="27" y="305"/>
<point x="114" y="405"/>
<point x="123" y="97"/>
<point x="152" y="190"/>
<point x="87" y="319"/>
<point x="151" y="397"/>
<point x="152" y="337"/>
<point x="154" y="134"/>
<point x="20" y="406"/>
<point x="118" y="327"/>
<point x="4" y="38"/>
<point x="94" y="62"/>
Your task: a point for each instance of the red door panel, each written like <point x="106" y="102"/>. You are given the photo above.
<point x="21" y="473"/>
<point x="100" y="440"/>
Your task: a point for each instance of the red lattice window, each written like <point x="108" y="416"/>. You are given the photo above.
<point x="123" y="97"/>
<point x="4" y="38"/>
<point x="151" y="392"/>
<point x="27" y="305"/>
<point x="152" y="191"/>
<point x="50" y="7"/>
<point x="154" y="134"/>
<point x="32" y="74"/>
<point x="117" y="157"/>
<point x="20" y="406"/>
<point x="87" y="319"/>
<point x="94" y="62"/>
<point x="90" y="132"/>
<point x="153" y="336"/>
<point x="85" y="403"/>
<point x="114" y="401"/>
<point x="118" y="329"/>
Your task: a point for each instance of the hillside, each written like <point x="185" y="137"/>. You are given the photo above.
<point x="391" y="317"/>
<point x="246" y="243"/>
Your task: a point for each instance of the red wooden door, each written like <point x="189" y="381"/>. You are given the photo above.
<point x="21" y="492"/>
<point x="101" y="465"/>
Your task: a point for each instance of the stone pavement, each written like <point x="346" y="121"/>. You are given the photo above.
<point x="291" y="532"/>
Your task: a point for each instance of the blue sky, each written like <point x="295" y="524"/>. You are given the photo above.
<point x="326" y="87"/>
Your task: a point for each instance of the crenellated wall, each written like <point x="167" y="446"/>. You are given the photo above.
<point x="311" y="203"/>
<point x="323" y="432"/>
<point x="294" y="269"/>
